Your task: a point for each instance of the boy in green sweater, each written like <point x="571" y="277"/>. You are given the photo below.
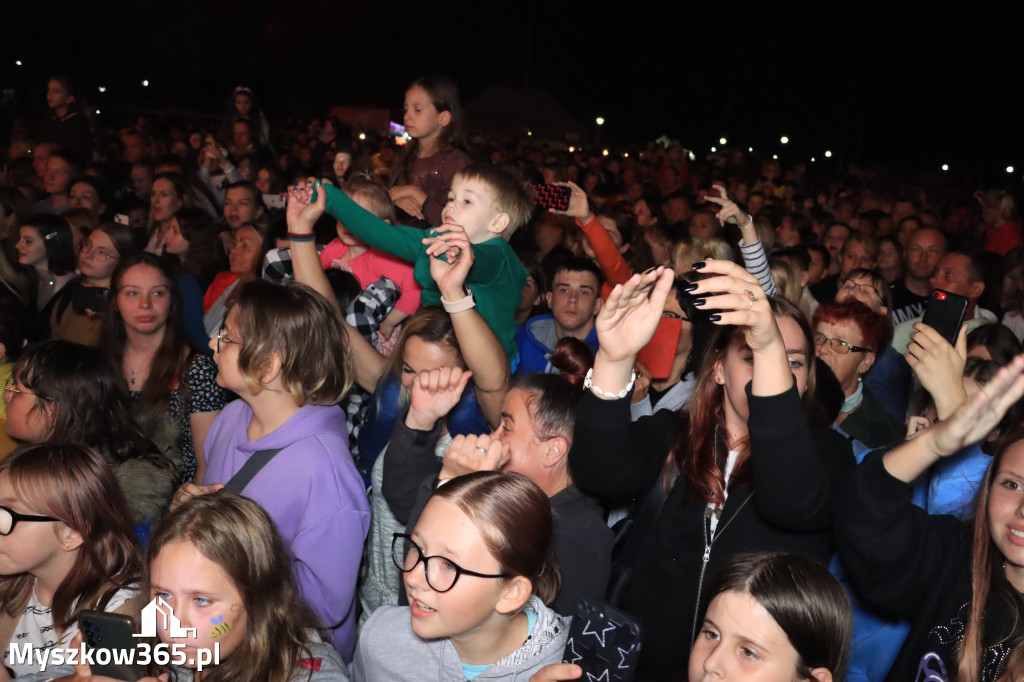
<point x="485" y="206"/>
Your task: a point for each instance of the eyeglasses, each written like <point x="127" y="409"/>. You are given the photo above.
<point x="9" y="519"/>
<point x="13" y="388"/>
<point x="441" y="573"/>
<point x="101" y="255"/>
<point x="850" y="284"/>
<point x="838" y="345"/>
<point x="223" y="336"/>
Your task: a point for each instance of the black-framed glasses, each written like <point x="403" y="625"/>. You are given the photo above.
<point x="441" y="573"/>
<point x="9" y="519"/>
<point x="223" y="336"/>
<point x="12" y="386"/>
<point x="838" y="345"/>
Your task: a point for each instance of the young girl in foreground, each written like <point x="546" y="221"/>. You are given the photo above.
<point x="65" y="546"/>
<point x="478" y="571"/>
<point x="218" y="561"/>
<point x="960" y="585"/>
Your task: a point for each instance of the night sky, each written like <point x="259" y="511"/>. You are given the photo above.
<point x="910" y="84"/>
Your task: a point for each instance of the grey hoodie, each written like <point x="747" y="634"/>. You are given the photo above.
<point x="389" y="650"/>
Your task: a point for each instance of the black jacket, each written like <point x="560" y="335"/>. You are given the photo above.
<point x="910" y="564"/>
<point x="795" y="470"/>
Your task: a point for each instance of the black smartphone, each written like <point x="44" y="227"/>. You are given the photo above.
<point x="945" y="314"/>
<point x="603" y="641"/>
<point x="93" y="299"/>
<point x="552" y="197"/>
<point x="116" y="633"/>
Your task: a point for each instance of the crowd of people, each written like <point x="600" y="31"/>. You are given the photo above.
<point x="375" y="415"/>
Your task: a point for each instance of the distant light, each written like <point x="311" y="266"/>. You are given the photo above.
<point x="812" y="159"/>
<point x="714" y="149"/>
<point x="604" y="153"/>
<point x="775" y="156"/>
<point x="945" y="166"/>
<point x="572" y="149"/>
<point x="625" y="155"/>
<point x="784" y="140"/>
<point x="693" y="157"/>
<point x="17" y="62"/>
<point x="1009" y="169"/>
<point x="97" y="112"/>
<point x="145" y="84"/>
<point x="362" y="136"/>
<point x="599" y="120"/>
<point x="828" y="154"/>
<point x="750" y="149"/>
<point x="529" y="133"/>
<point x="721" y="140"/>
<point x="102" y="88"/>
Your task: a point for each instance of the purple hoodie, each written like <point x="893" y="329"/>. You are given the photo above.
<point x="315" y="496"/>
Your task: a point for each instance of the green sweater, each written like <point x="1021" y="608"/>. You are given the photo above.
<point x="496" y="278"/>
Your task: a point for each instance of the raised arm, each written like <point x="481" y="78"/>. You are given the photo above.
<point x="398" y="240"/>
<point x="615" y="268"/>
<point x="480" y="347"/>
<point x="301" y="215"/>
<point x="754" y="257"/>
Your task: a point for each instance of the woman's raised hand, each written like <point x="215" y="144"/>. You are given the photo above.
<point x="302" y="212"/>
<point x="630" y="315"/>
<point x="728" y="212"/>
<point x="433" y="395"/>
<point x="738" y="300"/>
<point x="579" y="207"/>
<point x="975" y="418"/>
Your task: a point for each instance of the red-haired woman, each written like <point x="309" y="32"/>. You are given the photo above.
<point x="848" y="336"/>
<point x="743" y="469"/>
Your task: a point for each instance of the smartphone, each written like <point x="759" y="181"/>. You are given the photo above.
<point x="552" y="197"/>
<point x="93" y="299"/>
<point x="123" y="219"/>
<point x="603" y="641"/>
<point x="945" y="314"/>
<point x="660" y="351"/>
<point x="116" y="633"/>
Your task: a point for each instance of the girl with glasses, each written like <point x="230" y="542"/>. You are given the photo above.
<point x="478" y="571"/>
<point x="65" y="547"/>
<point x="79" y="308"/>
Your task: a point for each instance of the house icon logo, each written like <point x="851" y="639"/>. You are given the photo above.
<point x="158" y="608"/>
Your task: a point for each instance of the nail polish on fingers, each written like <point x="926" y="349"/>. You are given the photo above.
<point x="698" y="265"/>
<point x="714" y="318"/>
<point x="690" y="288"/>
<point x="700" y="302"/>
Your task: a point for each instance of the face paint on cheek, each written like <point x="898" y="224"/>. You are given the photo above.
<point x="221" y="627"/>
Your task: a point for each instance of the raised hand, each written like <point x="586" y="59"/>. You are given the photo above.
<point x="630" y="315"/>
<point x="728" y="212"/>
<point x="579" y="207"/>
<point x="301" y="212"/>
<point x="433" y="394"/>
<point x="471" y="453"/>
<point x="975" y="418"/>
<point x="450" y="273"/>
<point x="939" y="366"/>
<point x="739" y="301"/>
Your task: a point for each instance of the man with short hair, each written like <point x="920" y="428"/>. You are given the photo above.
<point x="575" y="300"/>
<point x="960" y="272"/>
<point x="925" y="247"/>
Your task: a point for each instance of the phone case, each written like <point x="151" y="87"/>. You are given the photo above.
<point x="603" y="641"/>
<point x="945" y="314"/>
<point x="110" y="631"/>
<point x="554" y="197"/>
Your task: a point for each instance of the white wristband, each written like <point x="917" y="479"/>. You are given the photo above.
<point x="605" y="395"/>
<point x="462" y="304"/>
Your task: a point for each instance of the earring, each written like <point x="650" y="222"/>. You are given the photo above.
<point x="67" y="545"/>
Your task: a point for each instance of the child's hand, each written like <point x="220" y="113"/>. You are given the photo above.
<point x="83" y="672"/>
<point x="301" y="212"/>
<point x="579" y="208"/>
<point x="471" y="453"/>
<point x="452" y="242"/>
<point x="433" y="394"/>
